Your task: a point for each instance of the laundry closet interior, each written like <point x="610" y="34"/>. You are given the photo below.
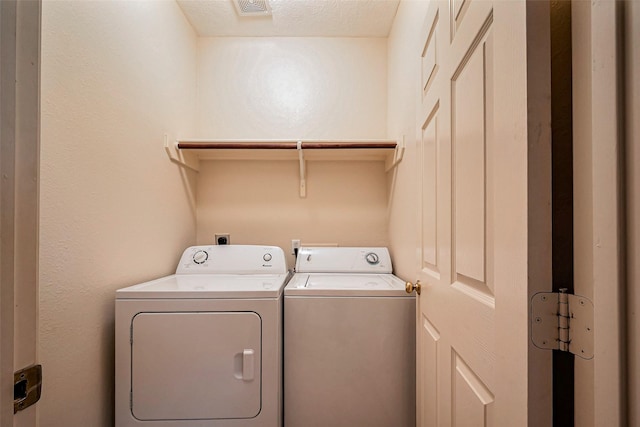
<point x="123" y="82"/>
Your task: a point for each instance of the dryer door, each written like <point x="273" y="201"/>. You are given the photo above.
<point x="195" y="365"/>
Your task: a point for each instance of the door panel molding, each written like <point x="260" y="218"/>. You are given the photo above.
<point x="430" y="57"/>
<point x="430" y="346"/>
<point x="429" y="143"/>
<point x="473" y="401"/>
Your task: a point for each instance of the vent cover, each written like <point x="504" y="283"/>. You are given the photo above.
<point x="252" y="7"/>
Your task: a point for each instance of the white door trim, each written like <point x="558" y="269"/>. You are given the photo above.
<point x="19" y="213"/>
<point x="7" y="204"/>
<point x="598" y="202"/>
<point x="607" y="214"/>
<point x="632" y="155"/>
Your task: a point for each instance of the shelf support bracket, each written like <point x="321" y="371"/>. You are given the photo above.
<point x="177" y="157"/>
<point x="303" y="171"/>
<point x="398" y="154"/>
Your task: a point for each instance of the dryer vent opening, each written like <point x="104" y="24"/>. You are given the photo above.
<point x="252" y="7"/>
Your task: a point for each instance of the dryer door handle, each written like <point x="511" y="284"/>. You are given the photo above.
<point x="247" y="364"/>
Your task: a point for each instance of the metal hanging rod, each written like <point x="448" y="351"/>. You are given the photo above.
<point x="284" y="145"/>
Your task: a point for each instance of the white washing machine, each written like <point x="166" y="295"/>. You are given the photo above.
<point x="349" y="341"/>
<point x="203" y="347"/>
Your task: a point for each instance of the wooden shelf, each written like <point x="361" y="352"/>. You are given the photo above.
<point x="188" y="152"/>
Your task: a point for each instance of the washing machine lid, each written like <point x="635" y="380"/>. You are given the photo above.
<point x="345" y="285"/>
<point x="186" y="286"/>
<point x="343" y="260"/>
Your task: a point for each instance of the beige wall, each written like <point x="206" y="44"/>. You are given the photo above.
<point x="258" y="203"/>
<point x="403" y="56"/>
<point x="114" y="210"/>
<point x="291" y="88"/>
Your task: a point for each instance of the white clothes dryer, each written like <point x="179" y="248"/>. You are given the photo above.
<point x="349" y="341"/>
<point x="203" y="347"/>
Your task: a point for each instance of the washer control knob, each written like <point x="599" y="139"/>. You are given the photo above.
<point x="267" y="257"/>
<point x="372" y="258"/>
<point x="200" y="257"/>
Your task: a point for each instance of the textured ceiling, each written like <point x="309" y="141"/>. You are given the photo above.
<point x="294" y="18"/>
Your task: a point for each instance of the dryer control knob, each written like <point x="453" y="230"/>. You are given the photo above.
<point x="372" y="258"/>
<point x="200" y="257"/>
<point x="267" y="257"/>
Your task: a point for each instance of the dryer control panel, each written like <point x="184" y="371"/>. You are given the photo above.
<point x="232" y="259"/>
<point x="343" y="260"/>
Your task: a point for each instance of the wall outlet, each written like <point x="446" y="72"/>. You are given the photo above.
<point x="223" y="239"/>
<point x="295" y="245"/>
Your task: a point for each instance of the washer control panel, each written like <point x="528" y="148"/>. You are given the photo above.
<point x="232" y="259"/>
<point x="343" y="260"/>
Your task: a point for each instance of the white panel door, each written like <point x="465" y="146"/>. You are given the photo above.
<point x="483" y="135"/>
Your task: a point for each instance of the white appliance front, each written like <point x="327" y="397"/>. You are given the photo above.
<point x="349" y="341"/>
<point x="202" y="349"/>
<point x="173" y="373"/>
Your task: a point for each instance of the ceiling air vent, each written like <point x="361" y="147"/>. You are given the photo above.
<point x="252" y="7"/>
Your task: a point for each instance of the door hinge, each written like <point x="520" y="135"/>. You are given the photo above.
<point x="562" y="321"/>
<point x="27" y="386"/>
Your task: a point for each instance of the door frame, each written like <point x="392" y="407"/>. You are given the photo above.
<point x="632" y="154"/>
<point x="20" y="28"/>
<point x="599" y="223"/>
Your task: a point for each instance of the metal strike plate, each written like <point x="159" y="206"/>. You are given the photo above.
<point x="544" y="323"/>
<point x="27" y="386"/>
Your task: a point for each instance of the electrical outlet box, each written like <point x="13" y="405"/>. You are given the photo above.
<point x="295" y="244"/>
<point x="223" y="239"/>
